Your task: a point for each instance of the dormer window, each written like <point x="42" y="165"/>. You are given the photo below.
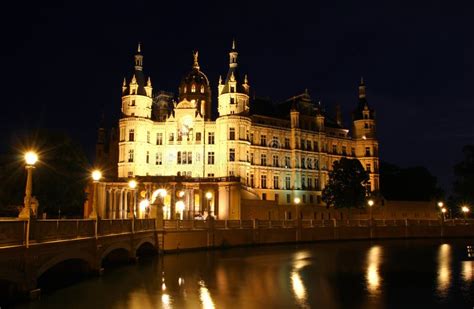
<point x="232" y="89"/>
<point x="193" y="88"/>
<point x="202" y="89"/>
<point x="133" y="103"/>
<point x="232" y="101"/>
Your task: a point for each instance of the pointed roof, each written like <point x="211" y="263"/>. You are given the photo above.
<point x="138" y="76"/>
<point x="233" y="73"/>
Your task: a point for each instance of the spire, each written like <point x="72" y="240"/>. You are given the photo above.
<point x="233" y="56"/>
<point x="196" y="63"/>
<point x="134" y="79"/>
<point x="220" y="79"/>
<point x="124" y="84"/>
<point x="138" y="58"/>
<point x="246" y="81"/>
<point x="362" y="89"/>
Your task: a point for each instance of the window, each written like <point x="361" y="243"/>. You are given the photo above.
<point x="198" y="136"/>
<point x="190" y="157"/>
<point x="366" y="125"/>
<point x="303" y="182"/>
<point x="133" y="103"/>
<point x="275" y="160"/>
<point x="287" y="162"/>
<point x="131" y="135"/>
<point x="252" y="182"/>
<point x="171" y="137"/>
<point x="367" y="168"/>
<point x="159" y="138"/>
<point x="193" y="88"/>
<point x="334" y="148"/>
<point x="287" y="143"/>
<point x="275" y="182"/>
<point x="210" y="157"/>
<point x="148" y="136"/>
<point x="231" y="154"/>
<point x="202" y="88"/>
<point x="184" y="158"/>
<point x="367" y="151"/>
<point x="210" y="138"/>
<point x="263" y="140"/>
<point x="309" y="163"/>
<point x="263" y="181"/>
<point x="288" y="198"/>
<point x="210" y="175"/>
<point x="232" y="89"/>
<point x="251" y="157"/>
<point x="185" y="89"/>
<point x="231" y="134"/>
<point x="130" y="155"/>
<point x="130" y="174"/>
<point x="302" y="143"/>
<point x="275" y="142"/>
<point x="263" y="159"/>
<point x="251" y="138"/>
<point x="232" y="101"/>
<point x="310" y="183"/>
<point x="147" y="157"/>
<point x="308" y="144"/>
<point x="344" y="150"/>
<point x="264" y="196"/>
<point x="316" y="164"/>
<point x="178" y="158"/>
<point x="287" y="182"/>
<point x="303" y="162"/>
<point x="353" y="151"/>
<point x="158" y="159"/>
<point x="316" y="146"/>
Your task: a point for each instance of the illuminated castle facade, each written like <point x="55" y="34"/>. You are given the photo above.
<point x="275" y="151"/>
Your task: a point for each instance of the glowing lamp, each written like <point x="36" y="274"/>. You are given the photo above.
<point x="209" y="195"/>
<point x="465" y="209"/>
<point x="180" y="206"/>
<point x="31" y="157"/>
<point x="370" y="203"/>
<point x="96" y="175"/>
<point x="297" y="200"/>
<point x="132" y="184"/>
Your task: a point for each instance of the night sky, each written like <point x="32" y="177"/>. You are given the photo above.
<point x="63" y="63"/>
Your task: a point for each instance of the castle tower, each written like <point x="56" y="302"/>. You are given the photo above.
<point x="233" y="92"/>
<point x="364" y="134"/>
<point x="195" y="88"/>
<point x="135" y="123"/>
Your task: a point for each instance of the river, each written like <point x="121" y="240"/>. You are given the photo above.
<point x="345" y="274"/>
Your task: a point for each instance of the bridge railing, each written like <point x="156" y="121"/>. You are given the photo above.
<point x="114" y="226"/>
<point x="144" y="225"/>
<point x="48" y="230"/>
<point x="12" y="232"/>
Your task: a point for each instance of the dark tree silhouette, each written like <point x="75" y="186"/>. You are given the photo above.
<point x="347" y="185"/>
<point x="463" y="185"/>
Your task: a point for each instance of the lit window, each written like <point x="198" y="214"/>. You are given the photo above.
<point x="210" y="157"/>
<point x="202" y="89"/>
<point x="210" y="138"/>
<point x="193" y="88"/>
<point x="130" y="155"/>
<point x="263" y="181"/>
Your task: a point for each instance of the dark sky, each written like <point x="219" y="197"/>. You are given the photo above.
<point x="63" y="63"/>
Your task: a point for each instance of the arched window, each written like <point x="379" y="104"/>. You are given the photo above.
<point x="202" y="89"/>
<point x="193" y="88"/>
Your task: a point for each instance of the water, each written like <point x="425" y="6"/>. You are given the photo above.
<point x="353" y="274"/>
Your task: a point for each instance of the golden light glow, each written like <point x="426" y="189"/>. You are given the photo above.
<point x="297" y="200"/>
<point x="443" y="210"/>
<point x="180" y="206"/>
<point x="96" y="175"/>
<point x="181" y="193"/>
<point x="143" y="205"/>
<point x="372" y="276"/>
<point x="132" y="184"/>
<point x="465" y="209"/>
<point x="370" y="203"/>
<point x="205" y="296"/>
<point x="467" y="271"/>
<point x="31" y="158"/>
<point x="209" y="195"/>
<point x="297" y="284"/>
<point x="444" y="269"/>
<point x="440" y="204"/>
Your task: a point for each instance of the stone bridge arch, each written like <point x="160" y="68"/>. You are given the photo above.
<point x="72" y="255"/>
<point x="143" y="242"/>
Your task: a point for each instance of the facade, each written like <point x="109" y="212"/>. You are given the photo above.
<point x="271" y="151"/>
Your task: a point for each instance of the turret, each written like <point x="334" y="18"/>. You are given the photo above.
<point x="363" y="116"/>
<point x="233" y="92"/>
<point x="137" y="94"/>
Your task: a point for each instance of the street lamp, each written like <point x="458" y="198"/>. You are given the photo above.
<point x="297" y="201"/>
<point x="96" y="176"/>
<point x="132" y="184"/>
<point x="444" y="210"/>
<point x="370" y="203"/>
<point x="208" y="197"/>
<point x="465" y="210"/>
<point x="440" y="204"/>
<point x="30" y="158"/>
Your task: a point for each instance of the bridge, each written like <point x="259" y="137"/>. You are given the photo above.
<point x="32" y="249"/>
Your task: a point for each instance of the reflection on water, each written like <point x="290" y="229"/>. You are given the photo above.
<point x="444" y="269"/>
<point x="299" y="261"/>
<point x="395" y="273"/>
<point x="372" y="275"/>
<point x="205" y="296"/>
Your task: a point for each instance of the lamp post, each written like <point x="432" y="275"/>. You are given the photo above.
<point x="96" y="176"/>
<point x="132" y="184"/>
<point x="443" y="211"/>
<point x="297" y="202"/>
<point x="465" y="211"/>
<point x="30" y="158"/>
<point x="371" y="204"/>
<point x="208" y="197"/>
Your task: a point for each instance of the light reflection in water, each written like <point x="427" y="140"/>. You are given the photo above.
<point x="299" y="290"/>
<point x="205" y="296"/>
<point x="165" y="299"/>
<point x="467" y="271"/>
<point x="444" y="269"/>
<point x="372" y="276"/>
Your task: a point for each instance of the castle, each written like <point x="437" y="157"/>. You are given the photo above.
<point x="255" y="152"/>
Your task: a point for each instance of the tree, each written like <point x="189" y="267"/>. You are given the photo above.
<point x="59" y="178"/>
<point x="347" y="185"/>
<point x="408" y="184"/>
<point x="463" y="186"/>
